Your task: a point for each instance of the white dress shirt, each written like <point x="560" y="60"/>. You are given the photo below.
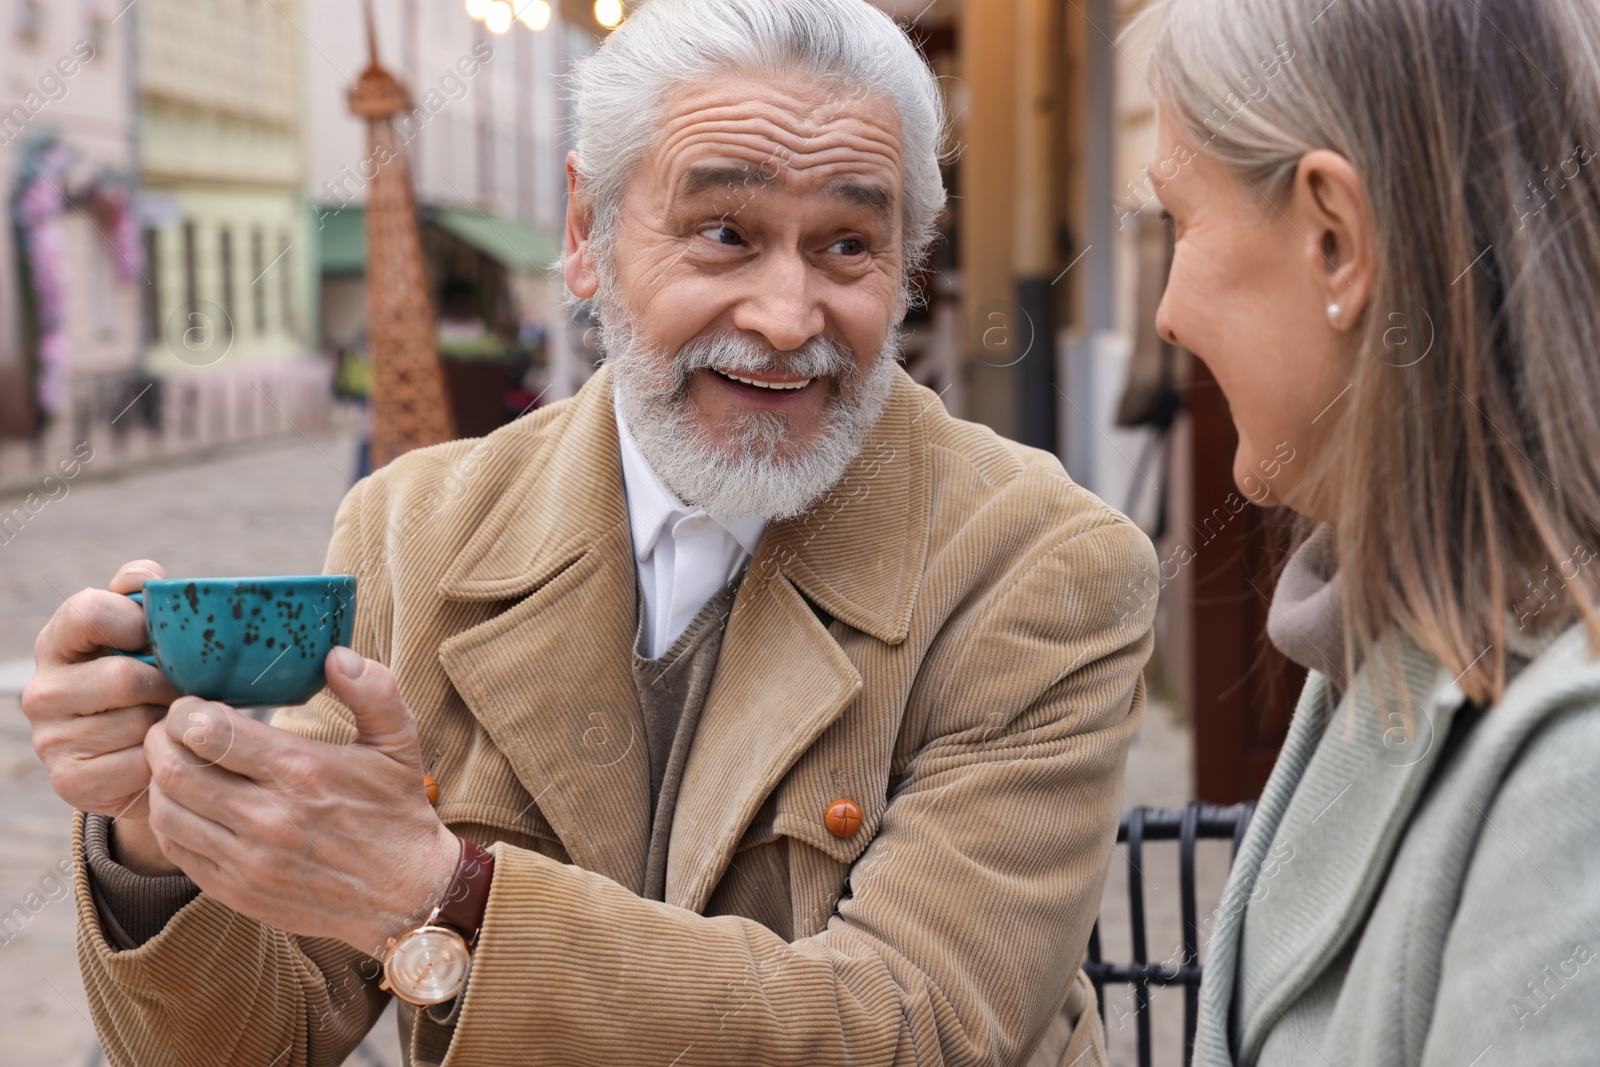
<point x="682" y="554"/>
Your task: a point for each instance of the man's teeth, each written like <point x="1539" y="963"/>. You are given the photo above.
<point x="767" y="385"/>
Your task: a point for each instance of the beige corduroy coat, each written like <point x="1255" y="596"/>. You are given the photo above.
<point x="952" y="638"/>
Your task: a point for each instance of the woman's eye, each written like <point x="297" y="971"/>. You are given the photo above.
<point x="723" y="235"/>
<point x="850" y="246"/>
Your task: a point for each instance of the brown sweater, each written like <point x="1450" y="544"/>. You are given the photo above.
<point x="672" y="690"/>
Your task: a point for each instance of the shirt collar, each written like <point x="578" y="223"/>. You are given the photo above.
<point x="653" y="508"/>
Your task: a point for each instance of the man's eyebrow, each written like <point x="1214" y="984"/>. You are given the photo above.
<point x="733" y="175"/>
<point x="876" y="197"/>
<point x="699" y="179"/>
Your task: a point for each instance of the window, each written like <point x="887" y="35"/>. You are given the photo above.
<point x="103" y="280"/>
<point x="285" y="281"/>
<point x="258" y="287"/>
<point x="225" y="254"/>
<point x="30" y="20"/>
<point x="191" y="278"/>
<point x="152" y="289"/>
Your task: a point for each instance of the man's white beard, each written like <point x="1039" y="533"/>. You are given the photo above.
<point x="754" y="474"/>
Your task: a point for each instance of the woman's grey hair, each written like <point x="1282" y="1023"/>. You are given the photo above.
<point x="849" y="46"/>
<point x="1467" y="450"/>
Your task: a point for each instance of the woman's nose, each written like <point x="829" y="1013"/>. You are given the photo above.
<point x="1164" y="324"/>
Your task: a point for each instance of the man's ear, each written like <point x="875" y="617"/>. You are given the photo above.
<point x="1330" y="206"/>
<point x="577" y="264"/>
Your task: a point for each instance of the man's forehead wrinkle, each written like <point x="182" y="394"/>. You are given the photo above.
<point x="744" y="96"/>
<point x="807" y="120"/>
<point x="766" y="140"/>
<point x="720" y="162"/>
<point x="703" y="159"/>
<point x="791" y="127"/>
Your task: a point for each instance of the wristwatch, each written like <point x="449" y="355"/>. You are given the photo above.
<point x="427" y="964"/>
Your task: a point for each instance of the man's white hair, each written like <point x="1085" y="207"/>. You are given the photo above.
<point x="849" y="46"/>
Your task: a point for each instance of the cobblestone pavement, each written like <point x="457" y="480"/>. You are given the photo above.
<point x="268" y="509"/>
<point x="262" y="508"/>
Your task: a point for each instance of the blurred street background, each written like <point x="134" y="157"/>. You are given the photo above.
<point x="185" y="361"/>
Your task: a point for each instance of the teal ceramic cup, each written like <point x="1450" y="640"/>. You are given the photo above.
<point x="247" y="642"/>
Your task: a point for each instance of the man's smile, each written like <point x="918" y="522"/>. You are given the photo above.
<point x="764" y="381"/>
<point x="766" y="388"/>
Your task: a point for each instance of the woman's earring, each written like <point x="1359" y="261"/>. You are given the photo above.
<point x="1334" y="311"/>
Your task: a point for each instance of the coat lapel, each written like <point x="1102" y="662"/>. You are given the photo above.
<point x="550" y="678"/>
<point x="764" y="709"/>
<point x="782" y="679"/>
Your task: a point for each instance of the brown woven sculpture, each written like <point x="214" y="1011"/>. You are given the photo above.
<point x="410" y="402"/>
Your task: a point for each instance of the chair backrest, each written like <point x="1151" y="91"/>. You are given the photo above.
<point x="1186" y="825"/>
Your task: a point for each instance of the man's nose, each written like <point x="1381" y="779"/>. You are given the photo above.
<point x="780" y="302"/>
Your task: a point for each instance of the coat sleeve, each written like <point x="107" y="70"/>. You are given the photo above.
<point x="1519" y="981"/>
<point x="964" y="920"/>
<point x="214" y="987"/>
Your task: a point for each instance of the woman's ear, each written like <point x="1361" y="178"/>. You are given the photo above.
<point x="1331" y="210"/>
<point x="577" y="265"/>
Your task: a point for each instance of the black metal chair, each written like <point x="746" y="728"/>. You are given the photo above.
<point x="1186" y="825"/>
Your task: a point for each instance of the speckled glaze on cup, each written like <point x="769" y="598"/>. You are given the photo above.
<point x="248" y="642"/>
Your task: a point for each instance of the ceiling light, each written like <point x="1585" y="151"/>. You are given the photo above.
<point x="478" y="8"/>
<point x="499" y="17"/>
<point x="608" y="12"/>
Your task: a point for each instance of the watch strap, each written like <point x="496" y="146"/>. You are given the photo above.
<point x="468" y="895"/>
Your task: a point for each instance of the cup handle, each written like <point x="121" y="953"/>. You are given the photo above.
<point x="142" y="657"/>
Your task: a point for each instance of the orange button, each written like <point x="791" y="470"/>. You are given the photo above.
<point x="843" y="817"/>
<point x="432" y="785"/>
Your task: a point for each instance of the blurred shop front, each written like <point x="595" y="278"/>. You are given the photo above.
<point x="494" y="289"/>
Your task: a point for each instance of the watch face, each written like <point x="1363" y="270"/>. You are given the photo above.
<point x="427" y="965"/>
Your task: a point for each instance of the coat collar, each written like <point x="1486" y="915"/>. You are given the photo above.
<point x="1349" y="781"/>
<point x="834" y="552"/>
<point x="653" y="509"/>
<point x="1343" y="797"/>
<point x="550" y="676"/>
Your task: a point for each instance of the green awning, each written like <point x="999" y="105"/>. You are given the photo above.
<point x="521" y="249"/>
<point x="517" y="247"/>
<point x="342" y="241"/>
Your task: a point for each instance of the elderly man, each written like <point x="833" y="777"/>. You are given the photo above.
<point x="775" y="715"/>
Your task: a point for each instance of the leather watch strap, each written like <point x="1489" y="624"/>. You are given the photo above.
<point x="468" y="896"/>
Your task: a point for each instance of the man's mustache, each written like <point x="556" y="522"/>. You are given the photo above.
<point x="817" y="358"/>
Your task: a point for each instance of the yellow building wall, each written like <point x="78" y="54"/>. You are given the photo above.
<point x="268" y="314"/>
<point x="222" y="143"/>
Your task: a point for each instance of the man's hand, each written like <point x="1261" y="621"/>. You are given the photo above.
<point x="314" y="839"/>
<point x="91" y="708"/>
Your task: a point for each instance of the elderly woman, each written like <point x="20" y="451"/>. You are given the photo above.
<point x="1388" y="253"/>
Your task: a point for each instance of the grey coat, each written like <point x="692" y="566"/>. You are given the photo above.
<point x="1423" y="893"/>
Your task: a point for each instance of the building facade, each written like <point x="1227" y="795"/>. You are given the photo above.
<point x="71" y="269"/>
<point x="222" y="163"/>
